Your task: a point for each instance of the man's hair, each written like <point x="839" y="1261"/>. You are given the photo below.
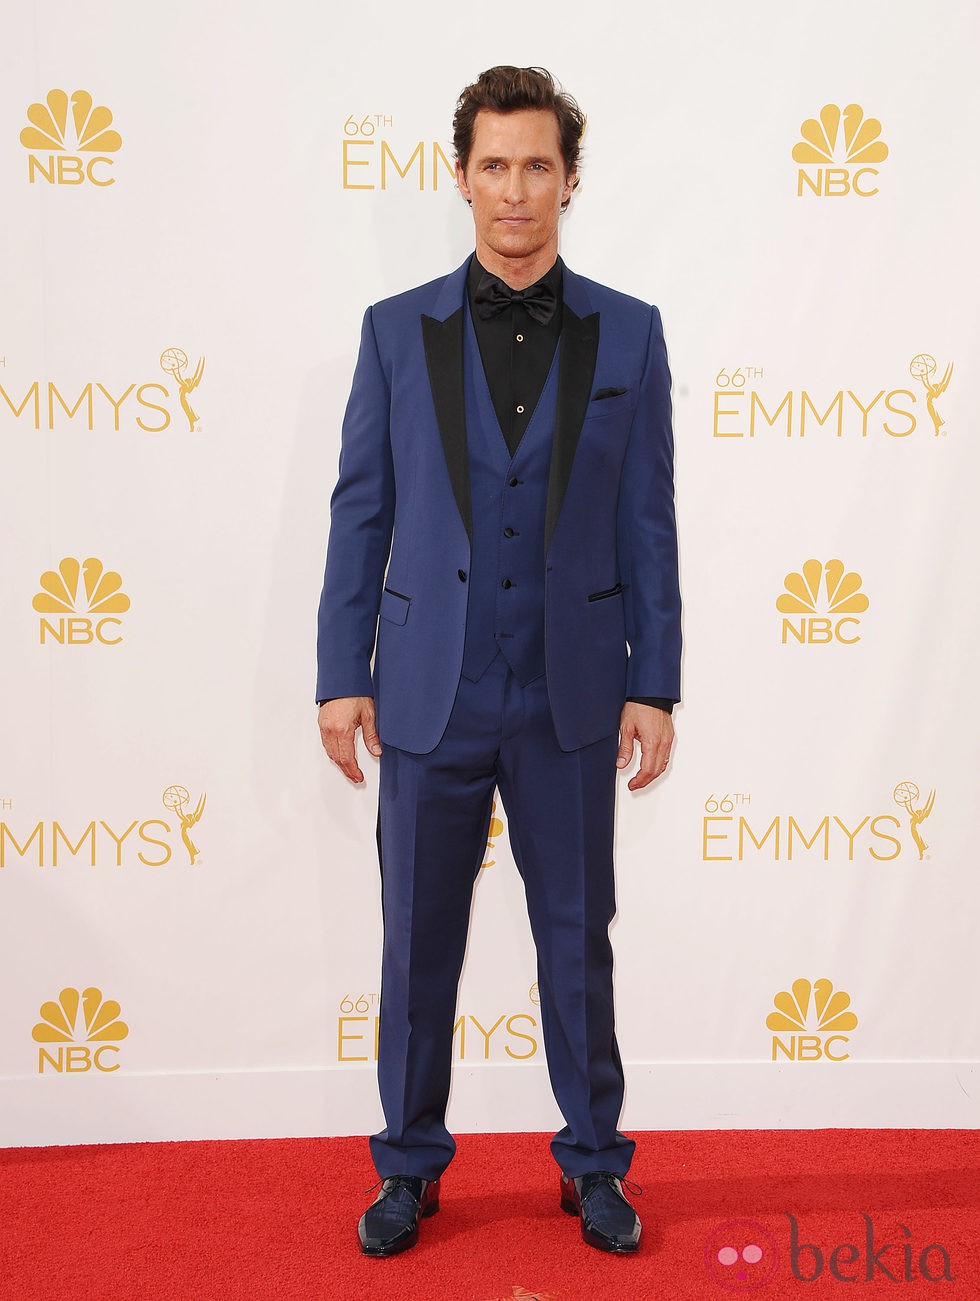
<point x="506" y="89"/>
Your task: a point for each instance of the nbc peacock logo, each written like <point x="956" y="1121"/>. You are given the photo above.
<point x="76" y="591"/>
<point x="84" y="1031"/>
<point x="814" y="1017"/>
<point x="820" y="604"/>
<point x="70" y="138"/>
<point x="841" y="143"/>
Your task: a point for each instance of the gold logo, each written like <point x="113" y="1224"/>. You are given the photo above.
<point x="496" y="829"/>
<point x="733" y="830"/>
<point x="147" y="406"/>
<point x="907" y="794"/>
<point x="742" y="409"/>
<point x="60" y="589"/>
<point x="923" y="368"/>
<point x="101" y="595"/>
<point x="66" y="843"/>
<point x="504" y="1037"/>
<point x="801" y="1005"/>
<point x="59" y="1021"/>
<point x="60" y="1024"/>
<point x="853" y="149"/>
<point x="843" y="600"/>
<point x="88" y="131"/>
<point x="173" y="362"/>
<point x="176" y="799"/>
<point x="369" y="161"/>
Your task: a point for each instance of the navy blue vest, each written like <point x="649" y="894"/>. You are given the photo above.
<point x="505" y="610"/>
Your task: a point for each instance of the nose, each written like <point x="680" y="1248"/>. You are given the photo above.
<point x="514" y="190"/>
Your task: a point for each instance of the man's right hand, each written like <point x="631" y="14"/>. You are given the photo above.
<point x="339" y="720"/>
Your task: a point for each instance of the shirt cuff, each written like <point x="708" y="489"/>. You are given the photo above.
<point x="656" y="701"/>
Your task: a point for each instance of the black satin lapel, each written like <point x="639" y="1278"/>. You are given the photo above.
<point x="443" y="342"/>
<point x="576" y="370"/>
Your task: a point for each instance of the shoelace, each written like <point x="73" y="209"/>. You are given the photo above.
<point x="609" y="1178"/>
<point x="396" y="1182"/>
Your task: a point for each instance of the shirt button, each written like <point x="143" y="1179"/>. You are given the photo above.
<point x="508" y="533"/>
<point x="506" y="583"/>
<point x="520" y="411"/>
<point x="513" y="481"/>
<point x="520" y="338"/>
<point x="462" y="575"/>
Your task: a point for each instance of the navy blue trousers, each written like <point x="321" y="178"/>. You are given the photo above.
<point x="434" y="820"/>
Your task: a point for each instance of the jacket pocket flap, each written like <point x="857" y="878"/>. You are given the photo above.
<point x="607" y="592"/>
<point x="394" y="606"/>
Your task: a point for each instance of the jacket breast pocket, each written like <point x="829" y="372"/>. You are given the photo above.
<point x="394" y="606"/>
<point x="611" y="406"/>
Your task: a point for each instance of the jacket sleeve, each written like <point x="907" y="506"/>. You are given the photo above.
<point x="362" y="512"/>
<point x="647" y="534"/>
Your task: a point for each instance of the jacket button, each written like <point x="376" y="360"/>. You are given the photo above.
<point x="462" y="575"/>
<point x="506" y="583"/>
<point x="513" y="481"/>
<point x="508" y="533"/>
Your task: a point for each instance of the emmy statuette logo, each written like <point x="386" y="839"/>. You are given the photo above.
<point x="907" y="795"/>
<point x="177" y="799"/>
<point x="173" y="362"/>
<point x="923" y="368"/>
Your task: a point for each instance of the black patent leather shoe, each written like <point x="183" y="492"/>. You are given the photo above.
<point x="608" y="1220"/>
<point x="391" y="1223"/>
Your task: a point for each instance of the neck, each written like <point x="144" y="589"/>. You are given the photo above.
<point x="517" y="273"/>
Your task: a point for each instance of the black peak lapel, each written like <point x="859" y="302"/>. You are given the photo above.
<point x="576" y="369"/>
<point x="443" y="342"/>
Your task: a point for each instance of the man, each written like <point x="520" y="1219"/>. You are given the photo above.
<point x="504" y="525"/>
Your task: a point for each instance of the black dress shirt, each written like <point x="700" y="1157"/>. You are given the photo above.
<point x="517" y="353"/>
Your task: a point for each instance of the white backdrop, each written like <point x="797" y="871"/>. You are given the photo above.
<point x="788" y="952"/>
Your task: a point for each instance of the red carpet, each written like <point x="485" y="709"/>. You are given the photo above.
<point x="263" y="1220"/>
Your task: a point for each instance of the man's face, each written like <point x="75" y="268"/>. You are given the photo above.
<point x="516" y="182"/>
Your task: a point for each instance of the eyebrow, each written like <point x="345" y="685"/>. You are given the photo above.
<point x="500" y="158"/>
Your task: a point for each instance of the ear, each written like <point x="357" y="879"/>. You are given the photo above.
<point x="570" y="180"/>
<point x="463" y="188"/>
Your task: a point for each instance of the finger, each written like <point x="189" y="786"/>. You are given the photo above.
<point x="649" y="766"/>
<point x="658" y="764"/>
<point x="340" y="747"/>
<point x="371" y="739"/>
<point x="625" y="756"/>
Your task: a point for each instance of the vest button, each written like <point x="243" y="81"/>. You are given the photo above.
<point x="508" y="533"/>
<point x="513" y="481"/>
<point x="506" y="583"/>
<point x="462" y="575"/>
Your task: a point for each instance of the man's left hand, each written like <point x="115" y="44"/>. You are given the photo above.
<point x="654" y="730"/>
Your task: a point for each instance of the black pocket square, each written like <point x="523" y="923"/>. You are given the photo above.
<point x="608" y="393"/>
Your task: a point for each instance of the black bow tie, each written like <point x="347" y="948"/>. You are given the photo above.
<point x="493" y="296"/>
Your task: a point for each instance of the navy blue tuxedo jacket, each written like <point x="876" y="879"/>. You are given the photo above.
<point x="401" y="518"/>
